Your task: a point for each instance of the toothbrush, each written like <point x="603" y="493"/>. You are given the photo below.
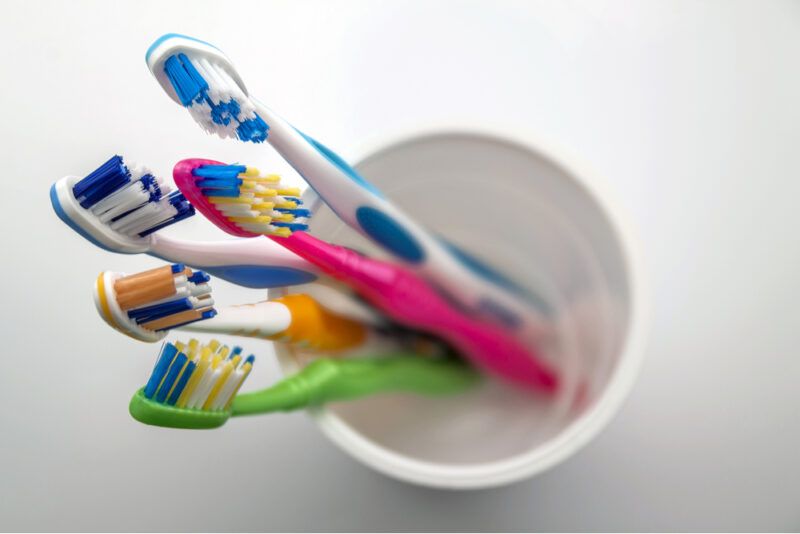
<point x="201" y="78"/>
<point x="146" y="305"/>
<point x="195" y="386"/>
<point x="409" y="300"/>
<point x="120" y="207"/>
<point x="489" y="345"/>
<point x="191" y="385"/>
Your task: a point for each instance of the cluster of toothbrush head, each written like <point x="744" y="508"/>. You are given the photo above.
<point x="435" y="290"/>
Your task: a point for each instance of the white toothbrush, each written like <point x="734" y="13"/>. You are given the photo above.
<point x="146" y="305"/>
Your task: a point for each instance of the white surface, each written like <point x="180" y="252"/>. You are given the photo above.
<point x="558" y="235"/>
<point x="689" y="109"/>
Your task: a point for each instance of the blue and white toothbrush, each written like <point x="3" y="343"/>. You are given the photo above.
<point x="201" y="78"/>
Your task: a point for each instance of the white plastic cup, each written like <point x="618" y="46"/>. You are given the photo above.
<point x="547" y="224"/>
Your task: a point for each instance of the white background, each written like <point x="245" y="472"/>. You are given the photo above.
<point x="690" y="111"/>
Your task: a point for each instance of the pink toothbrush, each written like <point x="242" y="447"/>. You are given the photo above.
<point x="409" y="300"/>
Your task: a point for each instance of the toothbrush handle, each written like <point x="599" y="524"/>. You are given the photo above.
<point x="409" y="300"/>
<point x="316" y="327"/>
<point x="245" y="262"/>
<point x="327" y="380"/>
<point x="296" y="319"/>
<point x="362" y="207"/>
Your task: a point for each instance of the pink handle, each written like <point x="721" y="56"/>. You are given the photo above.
<point x="409" y="300"/>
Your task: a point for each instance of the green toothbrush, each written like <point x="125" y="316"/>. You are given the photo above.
<point x="194" y="386"/>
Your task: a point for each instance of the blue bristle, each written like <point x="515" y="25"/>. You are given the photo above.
<point x="218" y="183"/>
<point x="233" y="193"/>
<point x="297" y="212"/>
<point x="199" y="277"/>
<point x="172" y="374"/>
<point x="296" y="200"/>
<point x="178" y="268"/>
<point x="224" y="112"/>
<point x="255" y="130"/>
<point x="151" y="185"/>
<point x="106" y="179"/>
<point x="208" y="314"/>
<point x="162" y="364"/>
<point x="219" y="171"/>
<point x="176" y="392"/>
<point x="187" y="82"/>
<point x="235" y="352"/>
<point x="157" y="311"/>
<point x="183" y="213"/>
<point x="250" y="359"/>
<point x="294" y="227"/>
<point x="177" y="199"/>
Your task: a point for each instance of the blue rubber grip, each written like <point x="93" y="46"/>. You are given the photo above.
<point x="390" y="234"/>
<point x="260" y="276"/>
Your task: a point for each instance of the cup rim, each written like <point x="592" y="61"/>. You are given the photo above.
<point x="587" y="425"/>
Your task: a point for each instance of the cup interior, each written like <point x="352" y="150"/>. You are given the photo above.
<point x="537" y="222"/>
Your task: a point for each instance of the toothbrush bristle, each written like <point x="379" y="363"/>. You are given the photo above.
<point x="214" y="99"/>
<point x="130" y="199"/>
<point x="197" y="376"/>
<point x="254" y="203"/>
<point x="165" y="298"/>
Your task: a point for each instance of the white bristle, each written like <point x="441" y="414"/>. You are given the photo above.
<point x="228" y="388"/>
<point x="205" y="386"/>
<point x="221" y="89"/>
<point x="129" y="210"/>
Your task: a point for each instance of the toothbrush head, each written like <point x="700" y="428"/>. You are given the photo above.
<point x="147" y="304"/>
<point x="118" y="206"/>
<point x="240" y="200"/>
<point x="192" y="385"/>
<point x="201" y="78"/>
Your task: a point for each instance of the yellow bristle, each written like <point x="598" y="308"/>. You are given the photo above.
<point x="290" y="192"/>
<point x="266" y="193"/>
<point x="282" y="232"/>
<point x="286" y="217"/>
<point x="227" y="368"/>
<point x="202" y="365"/>
<point x="213" y="345"/>
<point x="286" y="204"/>
<point x="229" y="200"/>
<point x="259" y="219"/>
